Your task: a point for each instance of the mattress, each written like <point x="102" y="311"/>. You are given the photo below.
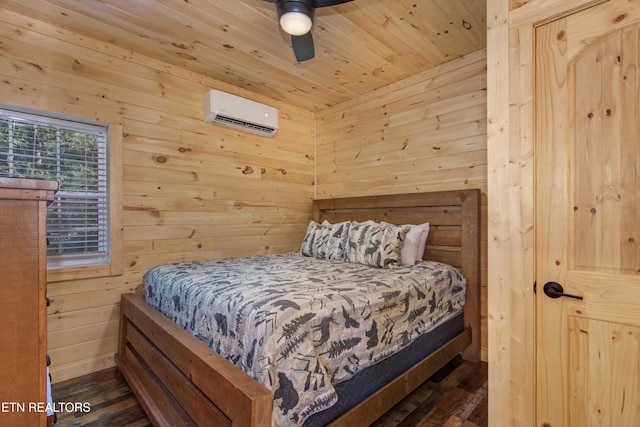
<point x="366" y="382"/>
<point x="301" y="325"/>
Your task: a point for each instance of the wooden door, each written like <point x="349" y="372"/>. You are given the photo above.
<point x="587" y="152"/>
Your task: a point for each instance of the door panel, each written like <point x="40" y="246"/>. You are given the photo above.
<point x="587" y="213"/>
<point x="605" y="391"/>
<point x="605" y="137"/>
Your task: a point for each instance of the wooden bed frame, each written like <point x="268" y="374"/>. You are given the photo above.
<point x="180" y="381"/>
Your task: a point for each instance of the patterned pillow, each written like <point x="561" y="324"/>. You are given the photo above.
<point x="375" y="245"/>
<point x="325" y="240"/>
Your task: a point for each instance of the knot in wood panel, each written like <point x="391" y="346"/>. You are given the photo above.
<point x="620" y="18"/>
<point x="186" y="56"/>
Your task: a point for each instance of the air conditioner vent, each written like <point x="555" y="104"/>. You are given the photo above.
<point x="240" y="113"/>
<point x="245" y="125"/>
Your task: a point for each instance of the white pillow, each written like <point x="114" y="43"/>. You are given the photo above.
<point x="423" y="240"/>
<point x="414" y="244"/>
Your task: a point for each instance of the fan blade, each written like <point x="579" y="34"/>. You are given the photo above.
<point x="303" y="47"/>
<point x="324" y="3"/>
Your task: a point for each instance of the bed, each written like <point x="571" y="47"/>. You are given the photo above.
<point x="181" y="381"/>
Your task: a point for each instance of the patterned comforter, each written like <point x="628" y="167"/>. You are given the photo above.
<point x="300" y="324"/>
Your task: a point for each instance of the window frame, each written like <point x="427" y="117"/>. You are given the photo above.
<point x="113" y="263"/>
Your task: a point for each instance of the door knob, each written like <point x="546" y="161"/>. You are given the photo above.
<point x="555" y="290"/>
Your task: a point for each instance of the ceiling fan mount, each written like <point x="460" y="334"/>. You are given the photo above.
<point x="296" y="19"/>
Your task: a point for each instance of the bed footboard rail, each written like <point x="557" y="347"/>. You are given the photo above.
<point x="179" y="383"/>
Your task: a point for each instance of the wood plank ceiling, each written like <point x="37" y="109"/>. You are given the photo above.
<point x="360" y="46"/>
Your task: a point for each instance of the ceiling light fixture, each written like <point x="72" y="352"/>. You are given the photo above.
<point x="296" y="17"/>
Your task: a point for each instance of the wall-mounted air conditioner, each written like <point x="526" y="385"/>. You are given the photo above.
<point x="240" y="113"/>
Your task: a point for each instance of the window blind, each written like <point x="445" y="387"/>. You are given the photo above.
<point x="74" y="154"/>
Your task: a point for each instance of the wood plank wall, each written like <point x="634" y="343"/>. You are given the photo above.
<point x="191" y="190"/>
<point x="425" y="133"/>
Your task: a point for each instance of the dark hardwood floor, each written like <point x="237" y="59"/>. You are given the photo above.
<point x="455" y="396"/>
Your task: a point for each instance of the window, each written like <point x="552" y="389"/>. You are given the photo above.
<point x="74" y="153"/>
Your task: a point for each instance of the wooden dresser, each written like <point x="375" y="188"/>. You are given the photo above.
<point x="23" y="315"/>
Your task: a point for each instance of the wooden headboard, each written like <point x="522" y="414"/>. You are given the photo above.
<point x="454" y="236"/>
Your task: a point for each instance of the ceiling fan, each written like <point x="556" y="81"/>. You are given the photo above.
<point x="296" y="19"/>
